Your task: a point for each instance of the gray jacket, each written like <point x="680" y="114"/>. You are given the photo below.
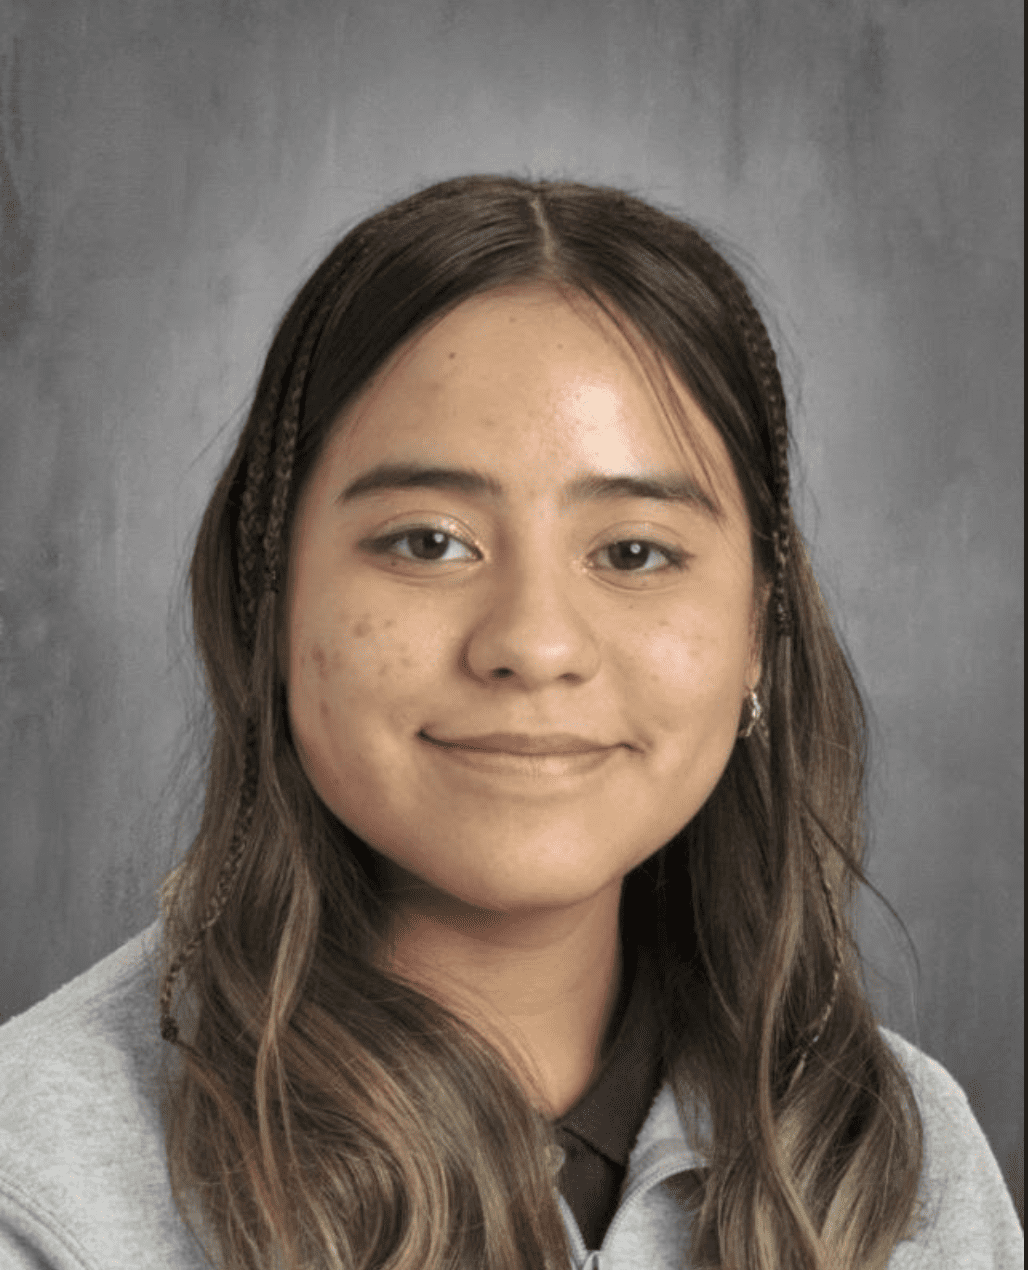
<point x="84" y="1184"/>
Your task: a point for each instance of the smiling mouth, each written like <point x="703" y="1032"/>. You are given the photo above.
<point x="554" y="744"/>
<point x="544" y="771"/>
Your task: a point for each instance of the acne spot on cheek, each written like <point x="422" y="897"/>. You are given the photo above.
<point x="364" y="626"/>
<point x="318" y="657"/>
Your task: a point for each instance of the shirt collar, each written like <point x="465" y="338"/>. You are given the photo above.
<point x="610" y="1113"/>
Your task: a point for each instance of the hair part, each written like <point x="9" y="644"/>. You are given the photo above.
<point x="327" y="1114"/>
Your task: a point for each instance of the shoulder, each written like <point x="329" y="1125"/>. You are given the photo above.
<point x="967" y="1219"/>
<point x="83" y="1178"/>
<point x="93" y="1040"/>
<point x="97" y="1010"/>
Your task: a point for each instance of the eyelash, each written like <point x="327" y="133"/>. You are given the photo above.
<point x="676" y="558"/>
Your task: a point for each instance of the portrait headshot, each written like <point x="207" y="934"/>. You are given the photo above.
<point x="511" y="600"/>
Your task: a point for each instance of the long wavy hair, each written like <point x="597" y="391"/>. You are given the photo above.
<point x="326" y="1114"/>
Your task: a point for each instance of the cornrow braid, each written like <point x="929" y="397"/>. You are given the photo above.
<point x="290" y="387"/>
<point x="287" y="383"/>
<point x="833" y="914"/>
<point x="233" y="861"/>
<point x="248" y="528"/>
<point x="817" y="1027"/>
<point x="285" y="453"/>
<point x="762" y="354"/>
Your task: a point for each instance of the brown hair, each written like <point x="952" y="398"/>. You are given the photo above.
<point x="326" y="1114"/>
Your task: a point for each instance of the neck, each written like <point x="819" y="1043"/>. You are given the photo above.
<point x="542" y="986"/>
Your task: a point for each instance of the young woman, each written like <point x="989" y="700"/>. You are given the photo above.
<point x="517" y="933"/>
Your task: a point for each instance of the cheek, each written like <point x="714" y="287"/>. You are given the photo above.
<point x="345" y="657"/>
<point x="690" y="675"/>
<point x="354" y="675"/>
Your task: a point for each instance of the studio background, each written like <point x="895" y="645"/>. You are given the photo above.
<point x="169" y="175"/>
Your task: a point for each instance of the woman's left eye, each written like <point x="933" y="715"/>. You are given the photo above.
<point x="635" y="555"/>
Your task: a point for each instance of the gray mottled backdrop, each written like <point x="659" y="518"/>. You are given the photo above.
<point x="169" y="174"/>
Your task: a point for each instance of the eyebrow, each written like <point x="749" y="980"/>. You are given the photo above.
<point x="666" y="487"/>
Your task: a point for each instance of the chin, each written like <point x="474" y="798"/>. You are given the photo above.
<point x="531" y="885"/>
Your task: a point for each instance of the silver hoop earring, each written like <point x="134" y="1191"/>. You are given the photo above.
<point x="755" y="712"/>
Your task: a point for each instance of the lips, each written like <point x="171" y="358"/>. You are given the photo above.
<point x="521" y="743"/>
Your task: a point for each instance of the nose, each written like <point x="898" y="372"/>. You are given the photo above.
<point x="531" y="630"/>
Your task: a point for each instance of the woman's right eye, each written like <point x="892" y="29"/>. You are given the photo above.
<point x="423" y="544"/>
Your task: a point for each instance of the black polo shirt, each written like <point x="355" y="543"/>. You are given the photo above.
<point x="598" y="1132"/>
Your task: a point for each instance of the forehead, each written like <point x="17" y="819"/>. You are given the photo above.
<point x="532" y="380"/>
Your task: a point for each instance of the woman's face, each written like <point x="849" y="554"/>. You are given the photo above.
<point x="500" y="549"/>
